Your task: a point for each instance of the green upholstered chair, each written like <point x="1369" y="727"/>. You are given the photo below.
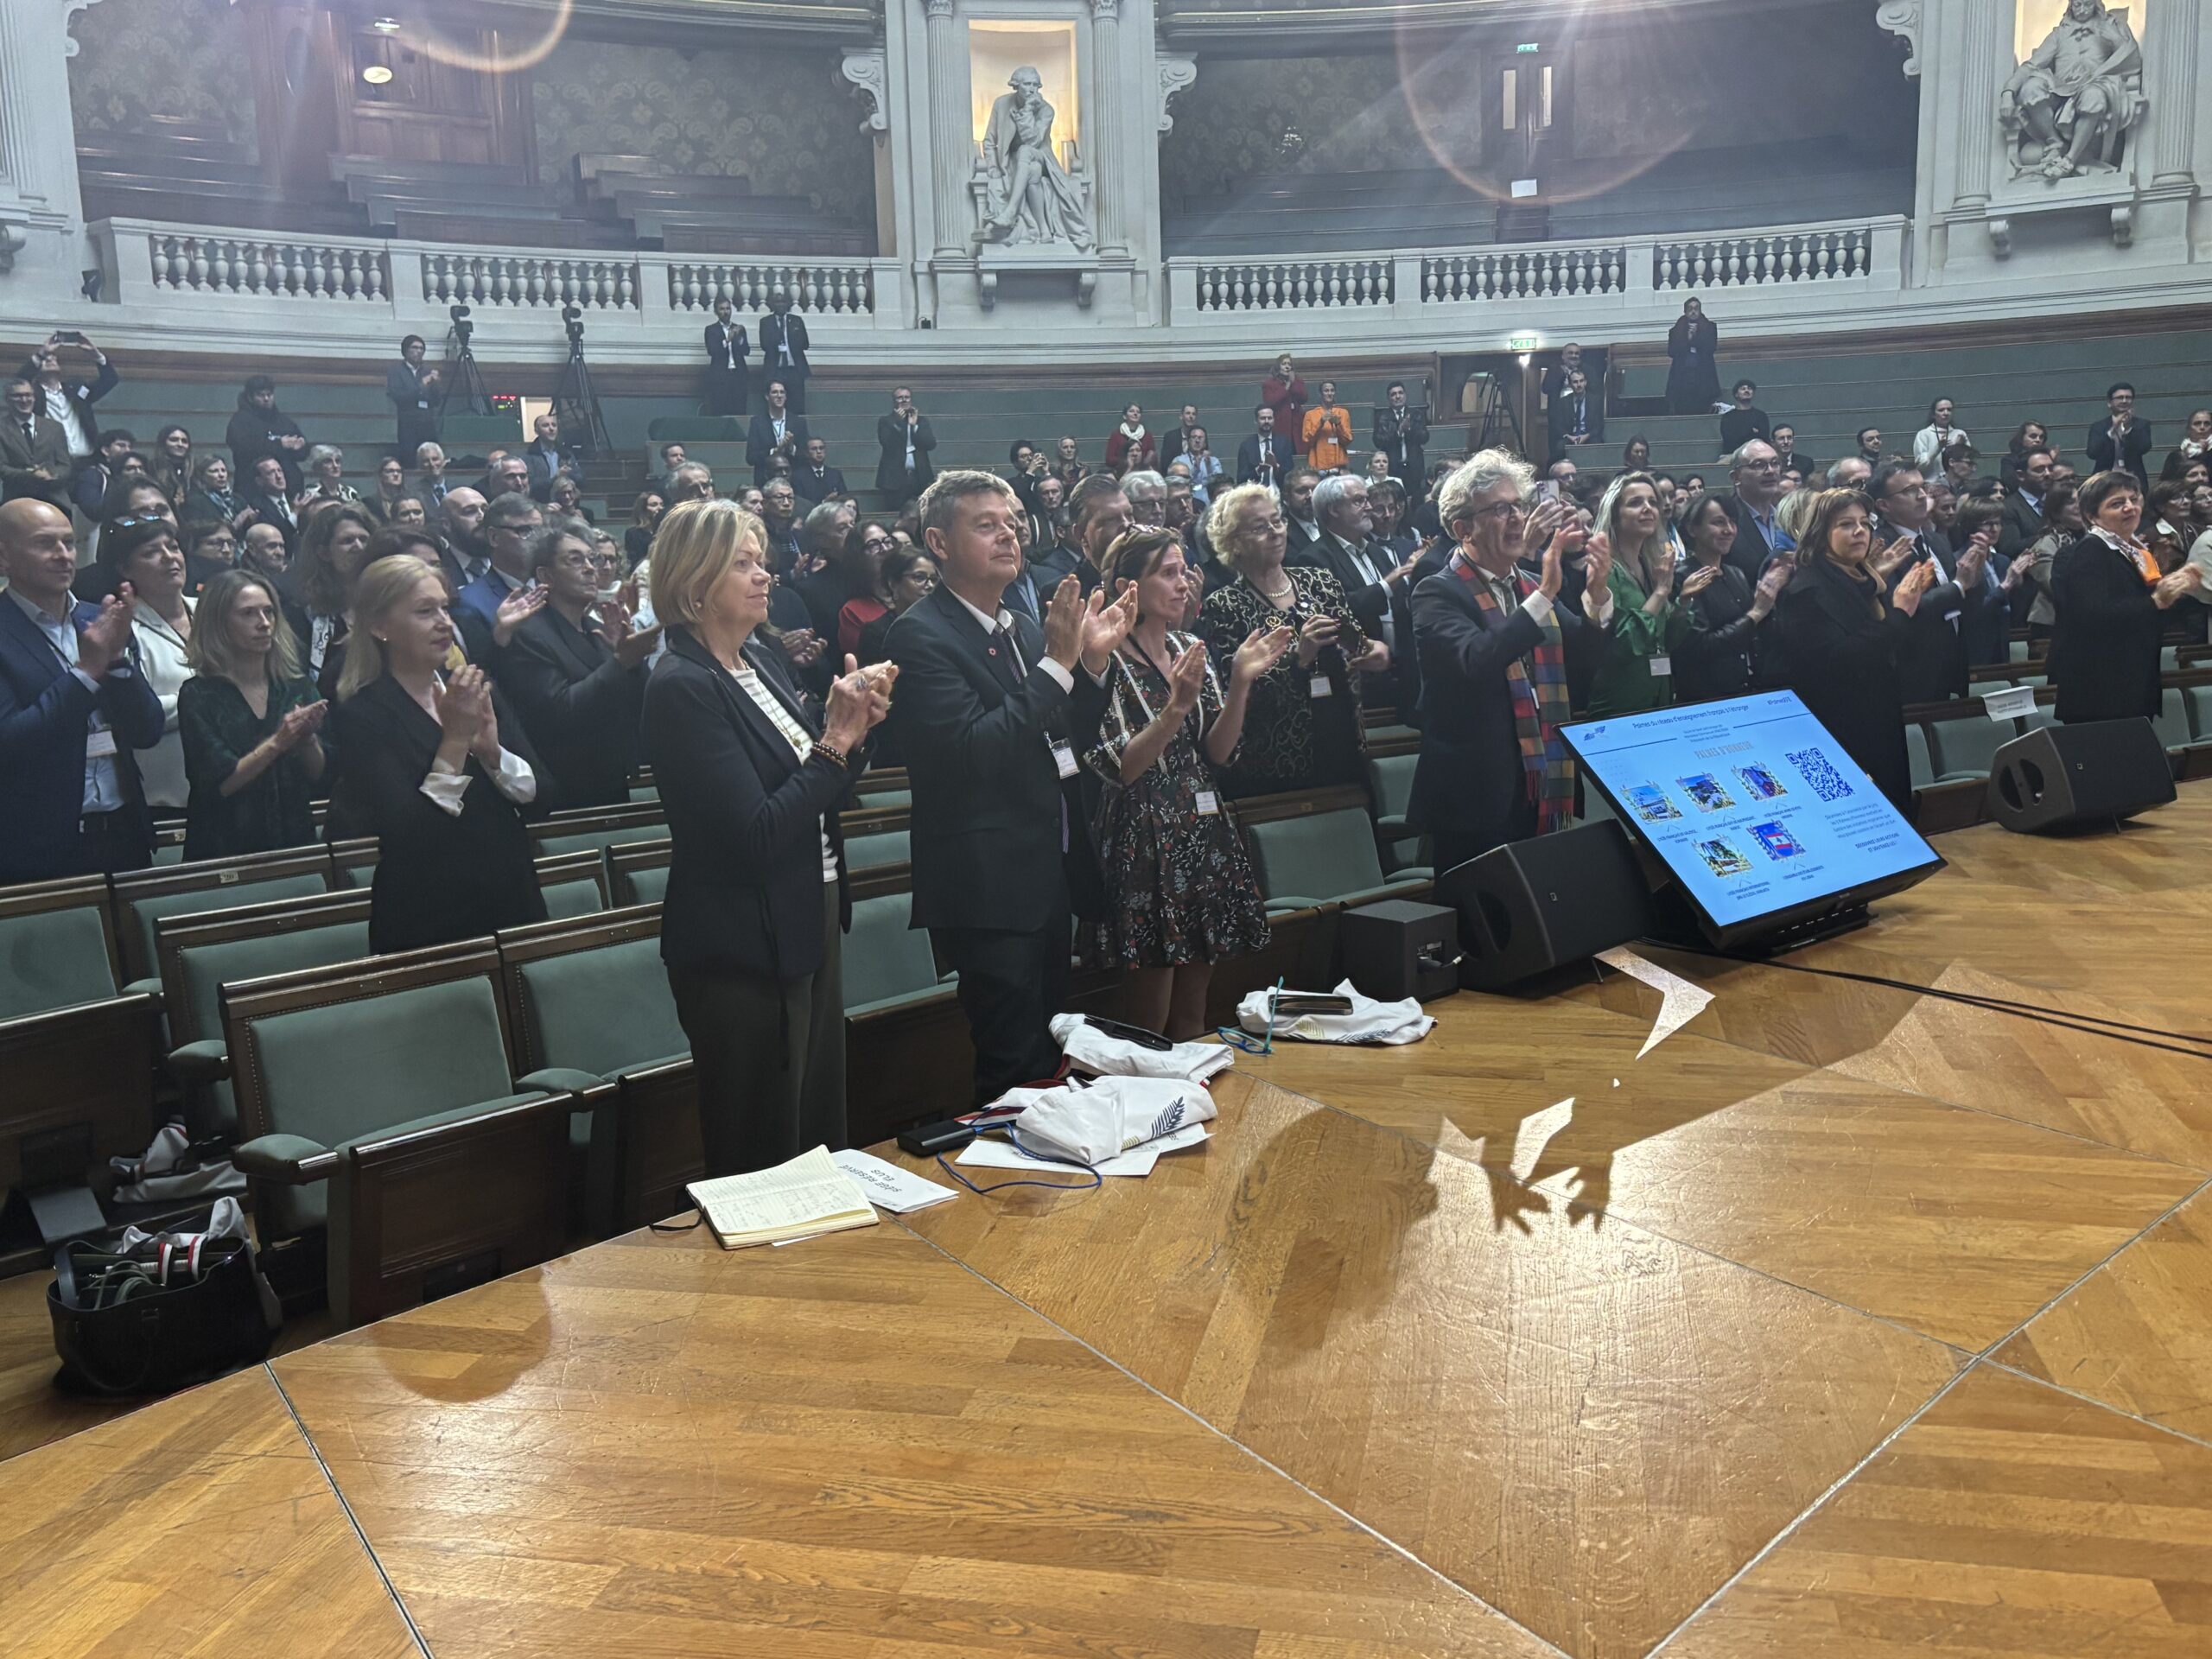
<point x="1325" y="858"/>
<point x="1963" y="748"/>
<point x="198" y="954"/>
<point x="55" y="949"/>
<point x="1390" y="780"/>
<point x="591" y="1012"/>
<point x="145" y="896"/>
<point x="874" y="852"/>
<point x="637" y="872"/>
<point x="76" y="1056"/>
<point x="888" y="965"/>
<point x="602" y="827"/>
<point x="380" y="1107"/>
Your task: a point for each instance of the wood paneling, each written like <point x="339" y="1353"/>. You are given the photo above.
<point x="204" y="1526"/>
<point x="852" y="1449"/>
<point x="1591" y="1425"/>
<point x="2008" y="1520"/>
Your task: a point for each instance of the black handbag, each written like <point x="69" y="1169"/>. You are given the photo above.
<point x="161" y="1316"/>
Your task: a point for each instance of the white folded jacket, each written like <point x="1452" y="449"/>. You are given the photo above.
<point x="1369" y="1022"/>
<point x="1094" y="1051"/>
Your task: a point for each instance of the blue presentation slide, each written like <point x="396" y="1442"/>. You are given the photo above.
<point x="1753" y="806"/>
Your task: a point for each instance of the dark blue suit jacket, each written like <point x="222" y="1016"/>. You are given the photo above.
<point x="45" y="717"/>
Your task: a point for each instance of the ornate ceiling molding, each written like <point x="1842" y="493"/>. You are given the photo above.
<point x="1902" y="17"/>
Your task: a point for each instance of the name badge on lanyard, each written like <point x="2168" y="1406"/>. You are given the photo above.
<point x="1062" y="757"/>
<point x="1208" y="803"/>
<point x="1320" y="686"/>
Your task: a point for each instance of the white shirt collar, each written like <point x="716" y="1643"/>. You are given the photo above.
<point x="988" y="623"/>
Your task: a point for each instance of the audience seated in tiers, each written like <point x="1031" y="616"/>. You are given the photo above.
<point x="1179" y="892"/>
<point x="75" y="712"/>
<point x="904" y="441"/>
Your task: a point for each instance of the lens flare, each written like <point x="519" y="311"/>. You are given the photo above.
<point x="468" y="51"/>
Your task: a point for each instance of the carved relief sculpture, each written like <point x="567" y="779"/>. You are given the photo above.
<point x="2071" y="107"/>
<point x="1023" y="194"/>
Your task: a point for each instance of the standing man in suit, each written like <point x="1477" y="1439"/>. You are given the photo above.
<point x="34" y="450"/>
<point x="1576" y="417"/>
<point x="775" y="431"/>
<point x="73" y="708"/>
<point x="1756" y="472"/>
<point x="1376" y="582"/>
<point x="70" y="402"/>
<point x="991" y="711"/>
<point x="904" y="470"/>
<point x="1402" y="433"/>
<point x="2022" y="525"/>
<point x="413" y="391"/>
<point x="1266" y="455"/>
<point x="545" y="458"/>
<point x="2120" y="441"/>
<point x="1301" y="532"/>
<point x="782" y="348"/>
<point x="1933" y="663"/>
<point x="729" y="381"/>
<point x="818" y="480"/>
<point x="1495" y="648"/>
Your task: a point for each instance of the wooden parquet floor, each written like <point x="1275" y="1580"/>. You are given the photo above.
<point x="1854" y="1320"/>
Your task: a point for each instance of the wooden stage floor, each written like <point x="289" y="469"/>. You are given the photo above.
<point x="1853" y="1320"/>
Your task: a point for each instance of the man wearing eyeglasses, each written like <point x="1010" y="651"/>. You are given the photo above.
<point x="1932" y="668"/>
<point x="1496" y="648"/>
<point x="34" y="450"/>
<point x="1755" y="470"/>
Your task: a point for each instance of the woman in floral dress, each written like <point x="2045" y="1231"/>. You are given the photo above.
<point x="1180" y="893"/>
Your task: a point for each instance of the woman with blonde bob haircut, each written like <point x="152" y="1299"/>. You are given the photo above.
<point x="757" y="902"/>
<point x="434" y="764"/>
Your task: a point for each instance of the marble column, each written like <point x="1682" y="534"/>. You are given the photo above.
<point x="2170" y="87"/>
<point x="42" y="212"/>
<point x="1985" y="44"/>
<point x="949" y="143"/>
<point x="1108" y="128"/>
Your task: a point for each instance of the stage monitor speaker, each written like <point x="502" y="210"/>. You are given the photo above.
<point x="1399" y="949"/>
<point x="2093" y="772"/>
<point x="1532" y="906"/>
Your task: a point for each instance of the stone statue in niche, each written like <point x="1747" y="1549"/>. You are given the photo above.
<point x="1022" y="192"/>
<point x="2073" y="104"/>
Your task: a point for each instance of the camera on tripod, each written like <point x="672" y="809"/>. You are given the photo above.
<point x="573" y="315"/>
<point x="462" y="327"/>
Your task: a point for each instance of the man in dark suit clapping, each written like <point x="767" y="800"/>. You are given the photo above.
<point x="991" y="711"/>
<point x="782" y="348"/>
<point x="729" y="377"/>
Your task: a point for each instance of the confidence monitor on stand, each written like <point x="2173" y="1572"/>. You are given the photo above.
<point x="1773" y="836"/>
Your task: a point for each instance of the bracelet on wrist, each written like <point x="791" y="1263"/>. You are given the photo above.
<point x="830" y="751"/>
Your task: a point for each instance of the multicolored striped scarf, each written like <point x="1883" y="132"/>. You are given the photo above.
<point x="1540" y="701"/>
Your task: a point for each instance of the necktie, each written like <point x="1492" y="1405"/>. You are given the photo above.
<point x="30" y="430"/>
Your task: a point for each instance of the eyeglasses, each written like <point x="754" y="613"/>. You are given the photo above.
<point x="1763" y="466"/>
<point x="1501" y="509"/>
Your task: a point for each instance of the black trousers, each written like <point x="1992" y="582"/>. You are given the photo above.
<point x="770" y="1056"/>
<point x="108" y="842"/>
<point x="1454" y="848"/>
<point x="1011" y="985"/>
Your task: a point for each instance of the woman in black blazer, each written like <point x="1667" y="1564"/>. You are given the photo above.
<point x="2112" y="605"/>
<point x="1714" y="658"/>
<point x="436" y="769"/>
<point x="757" y="903"/>
<point x="1836" y="633"/>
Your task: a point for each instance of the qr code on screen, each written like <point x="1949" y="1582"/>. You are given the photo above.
<point x="1824" y="779"/>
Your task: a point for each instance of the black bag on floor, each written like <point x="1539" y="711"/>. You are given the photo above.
<point x="161" y="1311"/>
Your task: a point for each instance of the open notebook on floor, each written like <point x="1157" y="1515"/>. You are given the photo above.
<point x="808" y="1195"/>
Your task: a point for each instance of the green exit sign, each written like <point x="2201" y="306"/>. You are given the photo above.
<point x="1522" y="343"/>
<point x="1528" y="46"/>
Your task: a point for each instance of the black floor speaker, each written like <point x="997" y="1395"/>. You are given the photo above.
<point x="1398" y="949"/>
<point x="1532" y="906"/>
<point x="2065" y="777"/>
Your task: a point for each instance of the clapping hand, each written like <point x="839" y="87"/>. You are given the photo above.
<point x="462" y="704"/>
<point x="102" y="642"/>
<point x="1967" y="570"/>
<point x="1186" y="677"/>
<point x="1537" y="530"/>
<point x="859" y="699"/>
<point x="802" y="646"/>
<point x="631" y="644"/>
<point x="1917" y="580"/>
<point x="1885" y="557"/>
<point x="516" y="609"/>
<point x="1597" y="567"/>
<point x="2186" y="581"/>
<point x="1104" y="627"/>
<point x="1699" y="580"/>
<point x="299" y="725"/>
<point x="2015" y="573"/>
<point x="1261" y="650"/>
<point x="1772" y="581"/>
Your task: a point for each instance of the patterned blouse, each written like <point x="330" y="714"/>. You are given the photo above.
<point x="1302" y="728"/>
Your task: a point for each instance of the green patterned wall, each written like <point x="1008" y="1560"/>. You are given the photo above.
<point x="774" y="116"/>
<point x="184" y="60"/>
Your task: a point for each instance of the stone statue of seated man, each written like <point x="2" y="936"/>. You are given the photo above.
<point x="2067" y="108"/>
<point x="1025" y="195"/>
